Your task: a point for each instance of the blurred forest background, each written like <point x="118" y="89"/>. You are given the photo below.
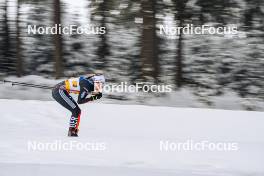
<point x="133" y="50"/>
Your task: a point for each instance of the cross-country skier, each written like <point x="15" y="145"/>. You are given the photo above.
<point x="90" y="84"/>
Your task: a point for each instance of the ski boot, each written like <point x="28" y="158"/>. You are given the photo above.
<point x="73" y="132"/>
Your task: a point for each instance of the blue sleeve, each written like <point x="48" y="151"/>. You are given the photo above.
<point x="86" y="86"/>
<point x="83" y="92"/>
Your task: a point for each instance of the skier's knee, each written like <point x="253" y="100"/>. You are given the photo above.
<point x="76" y="112"/>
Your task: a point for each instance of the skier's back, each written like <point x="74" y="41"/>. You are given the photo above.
<point x="83" y="86"/>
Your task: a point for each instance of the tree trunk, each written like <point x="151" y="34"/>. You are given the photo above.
<point x="58" y="41"/>
<point x="180" y="16"/>
<point x="18" y="43"/>
<point x="149" y="46"/>
<point x="103" y="48"/>
<point x="179" y="57"/>
<point x="6" y="63"/>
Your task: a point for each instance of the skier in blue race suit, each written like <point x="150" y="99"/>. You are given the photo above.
<point x="91" y="84"/>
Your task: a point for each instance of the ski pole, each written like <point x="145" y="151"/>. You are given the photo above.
<point x="28" y="84"/>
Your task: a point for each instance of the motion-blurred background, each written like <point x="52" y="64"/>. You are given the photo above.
<point x="214" y="71"/>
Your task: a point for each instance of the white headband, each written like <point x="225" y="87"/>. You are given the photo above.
<point x="99" y="78"/>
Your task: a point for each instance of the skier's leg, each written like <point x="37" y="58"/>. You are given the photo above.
<point x="75" y="119"/>
<point x="62" y="97"/>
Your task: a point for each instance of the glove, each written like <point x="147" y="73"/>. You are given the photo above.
<point x="94" y="97"/>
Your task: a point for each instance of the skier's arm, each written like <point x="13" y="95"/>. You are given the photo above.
<point x="84" y="92"/>
<point x="91" y="98"/>
<point x="82" y="96"/>
<point x="95" y="97"/>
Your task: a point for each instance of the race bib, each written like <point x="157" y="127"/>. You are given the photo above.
<point x="72" y="85"/>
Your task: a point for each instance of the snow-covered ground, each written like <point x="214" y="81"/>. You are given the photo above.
<point x="126" y="140"/>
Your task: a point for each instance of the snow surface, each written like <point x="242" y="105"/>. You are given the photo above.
<point x="132" y="135"/>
